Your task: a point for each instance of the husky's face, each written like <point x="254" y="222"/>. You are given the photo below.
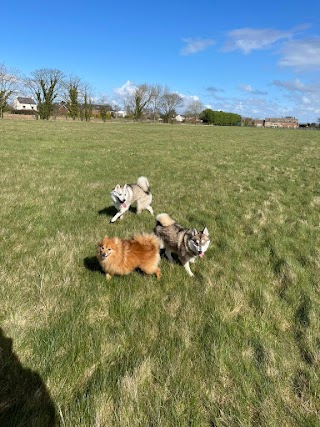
<point x="121" y="193"/>
<point x="199" y="242"/>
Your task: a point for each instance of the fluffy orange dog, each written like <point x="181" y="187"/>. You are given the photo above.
<point x="118" y="257"/>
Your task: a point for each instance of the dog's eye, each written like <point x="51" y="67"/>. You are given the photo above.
<point x="109" y="249"/>
<point x="101" y="247"/>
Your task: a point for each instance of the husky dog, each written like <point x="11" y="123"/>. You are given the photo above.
<point x="124" y="196"/>
<point x="186" y="243"/>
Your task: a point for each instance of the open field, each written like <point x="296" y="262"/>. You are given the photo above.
<point x="238" y="345"/>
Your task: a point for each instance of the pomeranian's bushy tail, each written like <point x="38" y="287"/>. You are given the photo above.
<point x="144" y="184"/>
<point x="148" y="240"/>
<point x="165" y="220"/>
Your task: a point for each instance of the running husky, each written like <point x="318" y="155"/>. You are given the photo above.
<point x="124" y="196"/>
<point x="186" y="243"/>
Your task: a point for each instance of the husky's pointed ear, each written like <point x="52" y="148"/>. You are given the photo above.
<point x="117" y="187"/>
<point x="205" y="231"/>
<point x="194" y="232"/>
<point x="125" y="187"/>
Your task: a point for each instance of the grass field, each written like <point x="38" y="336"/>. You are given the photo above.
<point x="237" y="345"/>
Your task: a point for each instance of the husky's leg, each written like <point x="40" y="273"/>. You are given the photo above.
<point x="149" y="208"/>
<point x="187" y="267"/>
<point x="161" y="244"/>
<point x="118" y="215"/>
<point x="192" y="260"/>
<point x="139" y="207"/>
<point x="169" y="256"/>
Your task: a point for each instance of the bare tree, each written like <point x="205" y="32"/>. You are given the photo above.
<point x="157" y="91"/>
<point x="168" y="103"/>
<point x="194" y="109"/>
<point x="46" y="85"/>
<point x="86" y="104"/>
<point x="138" y="100"/>
<point x="9" y="82"/>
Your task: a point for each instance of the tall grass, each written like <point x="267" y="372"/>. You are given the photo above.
<point x="238" y="345"/>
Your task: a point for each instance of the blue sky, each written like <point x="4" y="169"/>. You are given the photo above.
<point x="257" y="59"/>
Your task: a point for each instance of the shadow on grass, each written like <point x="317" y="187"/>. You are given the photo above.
<point x="302" y="323"/>
<point x="198" y="276"/>
<point x="108" y="211"/>
<point x="111" y="211"/>
<point x="24" y="398"/>
<point x="91" y="263"/>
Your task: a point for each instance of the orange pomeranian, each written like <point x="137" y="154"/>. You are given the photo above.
<point x="119" y="257"/>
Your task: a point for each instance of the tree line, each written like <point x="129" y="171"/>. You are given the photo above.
<point x="48" y="86"/>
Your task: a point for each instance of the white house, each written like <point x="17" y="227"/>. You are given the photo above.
<point x="120" y="113"/>
<point x="180" y="118"/>
<point x="26" y="104"/>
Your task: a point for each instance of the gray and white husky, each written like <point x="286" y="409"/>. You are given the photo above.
<point x="188" y="244"/>
<point x="124" y="196"/>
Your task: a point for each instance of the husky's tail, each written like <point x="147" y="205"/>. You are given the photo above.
<point x="148" y="240"/>
<point x="165" y="220"/>
<point x="144" y="184"/>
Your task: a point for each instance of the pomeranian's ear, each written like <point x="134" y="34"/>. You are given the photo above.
<point x="116" y="240"/>
<point x="205" y="231"/>
<point x="101" y="243"/>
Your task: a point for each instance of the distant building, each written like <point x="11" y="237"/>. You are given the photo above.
<point x="26" y="104"/>
<point x="120" y="114"/>
<point x="61" y="109"/>
<point x="180" y="118"/>
<point x="284" y="122"/>
<point x="258" y="123"/>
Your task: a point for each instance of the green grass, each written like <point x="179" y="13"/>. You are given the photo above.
<point x="238" y="345"/>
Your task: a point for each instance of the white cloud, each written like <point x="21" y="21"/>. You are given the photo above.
<point x="249" y="39"/>
<point x="304" y="98"/>
<point x="299" y="100"/>
<point x="249" y="89"/>
<point x="213" y="92"/>
<point x="301" y="54"/>
<point x="189" y="98"/>
<point x="195" y="45"/>
<point x="127" y="89"/>
<point x="295" y="86"/>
